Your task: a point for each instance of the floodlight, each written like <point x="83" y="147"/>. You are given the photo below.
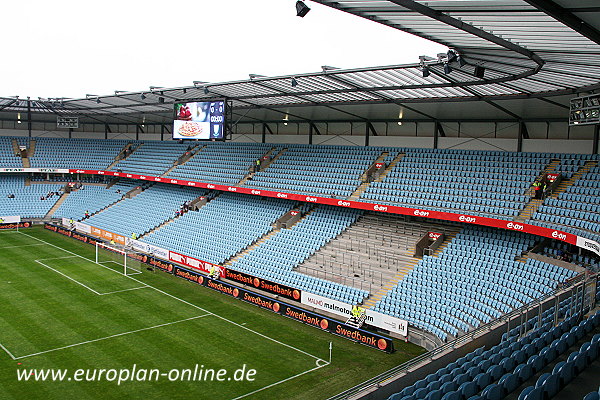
<point x="301" y="9"/>
<point x="143" y="96"/>
<point x="452" y="55"/>
<point x="294" y="82"/>
<point x="426" y="71"/>
<point x="479" y="71"/>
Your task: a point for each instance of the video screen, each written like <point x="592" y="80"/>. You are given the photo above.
<point x="199" y="120"/>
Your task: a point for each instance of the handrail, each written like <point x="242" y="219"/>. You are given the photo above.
<point x="378" y="380"/>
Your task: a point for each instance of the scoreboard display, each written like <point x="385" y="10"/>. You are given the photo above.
<point x="203" y="120"/>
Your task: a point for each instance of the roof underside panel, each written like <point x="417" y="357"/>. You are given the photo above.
<point x="522" y="50"/>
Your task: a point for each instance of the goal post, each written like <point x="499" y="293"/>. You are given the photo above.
<point x="118" y="257"/>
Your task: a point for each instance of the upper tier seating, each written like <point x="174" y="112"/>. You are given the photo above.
<point x="224" y="163"/>
<point x="326" y="170"/>
<point x="152" y="158"/>
<point x="479" y="183"/>
<point x="7" y="155"/>
<point x="577" y="210"/>
<point x="75" y="153"/>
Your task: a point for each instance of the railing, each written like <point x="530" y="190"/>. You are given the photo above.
<point x="572" y="285"/>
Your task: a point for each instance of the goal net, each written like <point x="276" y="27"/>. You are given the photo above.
<point x="118" y="257"/>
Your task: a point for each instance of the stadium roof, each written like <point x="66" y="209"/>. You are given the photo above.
<point x="548" y="50"/>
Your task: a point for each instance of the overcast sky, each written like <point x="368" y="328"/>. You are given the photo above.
<point x="68" y="48"/>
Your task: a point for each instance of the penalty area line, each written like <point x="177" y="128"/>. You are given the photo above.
<point x="282" y="381"/>
<point x="108" y="337"/>
<point x="7" y="352"/>
<point x="181" y="300"/>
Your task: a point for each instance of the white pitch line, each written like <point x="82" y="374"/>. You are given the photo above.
<point x="181" y="300"/>
<point x="68" y="277"/>
<point x="109" y="337"/>
<point x="7" y="352"/>
<point x="281" y="381"/>
<point x="17" y="247"/>
<point x="124" y="290"/>
<point x="53" y="258"/>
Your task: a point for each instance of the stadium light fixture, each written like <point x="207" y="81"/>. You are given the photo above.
<point x="143" y="96"/>
<point x="286" y="119"/>
<point x="479" y="71"/>
<point x="206" y="90"/>
<point x="452" y="55"/>
<point x="18" y="118"/>
<point x="326" y="68"/>
<point x="199" y="83"/>
<point x="294" y="82"/>
<point x="425" y="71"/>
<point x="301" y="9"/>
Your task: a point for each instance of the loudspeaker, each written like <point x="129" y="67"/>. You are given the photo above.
<point x="479" y="71"/>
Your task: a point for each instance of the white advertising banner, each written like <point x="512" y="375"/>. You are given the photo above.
<point x="45" y="170"/>
<point x="374" y="318"/>
<point x="588" y="245"/>
<point x="10" y="219"/>
<point x="81" y="227"/>
<point x="149" y="249"/>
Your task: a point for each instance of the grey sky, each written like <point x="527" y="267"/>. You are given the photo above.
<point x="68" y="48"/>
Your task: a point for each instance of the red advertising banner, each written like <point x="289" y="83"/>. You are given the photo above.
<point x="194" y="263"/>
<point x="417" y="212"/>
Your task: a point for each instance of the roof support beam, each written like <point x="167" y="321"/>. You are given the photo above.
<point x="566" y="17"/>
<point x="595" y="149"/>
<point x="448" y="20"/>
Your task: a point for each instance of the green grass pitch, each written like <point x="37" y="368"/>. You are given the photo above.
<point x="60" y="310"/>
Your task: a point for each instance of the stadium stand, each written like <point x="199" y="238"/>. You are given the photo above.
<point x="93" y="199"/>
<point x="461" y="288"/>
<point x="225" y="163"/>
<point x="327" y="170"/>
<point x="223" y="227"/>
<point x="276" y="257"/>
<point x="147" y="210"/>
<point x="75" y="153"/>
<point x="8" y="159"/>
<point x="151" y="158"/>
<point x="497" y="373"/>
<point x="28" y="201"/>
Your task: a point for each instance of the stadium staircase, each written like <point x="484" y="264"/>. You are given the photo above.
<point x="31" y="149"/>
<point x="250" y="174"/>
<point x="529" y="210"/>
<point x="15" y="146"/>
<point x="365" y="185"/>
<point x="182" y="160"/>
<point x="168" y="221"/>
<point x="56" y="205"/>
<point x="129" y="195"/>
<point x="566" y="183"/>
<point x="261" y="240"/>
<point x="271" y="161"/>
<point x="121" y="156"/>
<point x="364" y="178"/>
<point x="534" y="204"/>
<point x="375" y="297"/>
